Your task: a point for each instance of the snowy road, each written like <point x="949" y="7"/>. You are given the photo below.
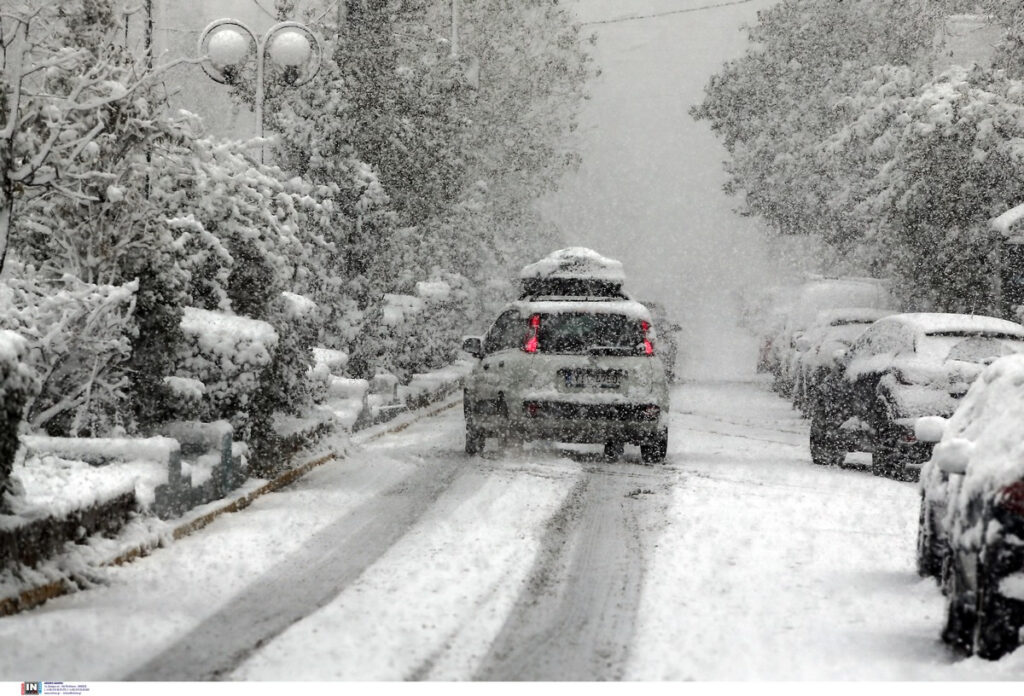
<point x="409" y="560"/>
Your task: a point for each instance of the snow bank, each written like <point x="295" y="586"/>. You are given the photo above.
<point x="57" y="485"/>
<point x="186" y="387"/>
<point x="101" y="449"/>
<point x="575" y="262"/>
<point x="298" y="306"/>
<point x="398" y="308"/>
<point x="334" y="360"/>
<point x="437" y="291"/>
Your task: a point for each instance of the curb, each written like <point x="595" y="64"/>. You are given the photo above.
<point x="35" y="596"/>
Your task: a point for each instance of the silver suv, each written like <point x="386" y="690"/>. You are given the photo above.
<point x="571" y="370"/>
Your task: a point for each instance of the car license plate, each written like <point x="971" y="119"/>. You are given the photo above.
<point x="593" y="379"/>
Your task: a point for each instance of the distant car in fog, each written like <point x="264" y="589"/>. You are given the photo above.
<point x="667" y="347"/>
<point x="833" y="331"/>
<point x="810" y="298"/>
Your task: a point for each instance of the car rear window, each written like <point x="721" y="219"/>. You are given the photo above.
<point x="971" y="348"/>
<point x="581" y="334"/>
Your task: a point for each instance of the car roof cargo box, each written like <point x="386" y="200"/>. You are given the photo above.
<point x="573" y="272"/>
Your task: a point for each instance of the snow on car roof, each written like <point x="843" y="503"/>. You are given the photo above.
<point x="624" y="307"/>
<point x="851" y="315"/>
<point x="938" y="323"/>
<point x="575" y="262"/>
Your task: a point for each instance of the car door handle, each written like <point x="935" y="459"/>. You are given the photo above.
<point x="501" y="364"/>
<point x="487" y="366"/>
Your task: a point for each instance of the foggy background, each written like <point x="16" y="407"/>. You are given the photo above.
<point x="649" y="191"/>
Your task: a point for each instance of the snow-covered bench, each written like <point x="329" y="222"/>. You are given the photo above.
<point x="213" y="464"/>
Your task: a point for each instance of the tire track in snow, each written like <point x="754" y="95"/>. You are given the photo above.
<point x="576" y="618"/>
<point x="303" y="582"/>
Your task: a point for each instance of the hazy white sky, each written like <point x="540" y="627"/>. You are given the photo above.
<point x="649" y="191"/>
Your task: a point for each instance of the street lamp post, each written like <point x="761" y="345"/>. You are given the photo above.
<point x="226" y="46"/>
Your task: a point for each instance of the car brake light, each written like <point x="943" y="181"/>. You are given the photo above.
<point x="1011" y="498"/>
<point x="648" y="346"/>
<point x="532" y="342"/>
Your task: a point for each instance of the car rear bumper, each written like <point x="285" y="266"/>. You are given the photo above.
<point x="574" y="421"/>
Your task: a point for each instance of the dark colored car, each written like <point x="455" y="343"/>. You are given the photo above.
<point x="901" y="368"/>
<point x="972" y="513"/>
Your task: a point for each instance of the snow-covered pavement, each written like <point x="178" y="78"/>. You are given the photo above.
<point x="738" y="559"/>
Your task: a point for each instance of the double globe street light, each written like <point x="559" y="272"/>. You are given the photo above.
<point x="227" y="47"/>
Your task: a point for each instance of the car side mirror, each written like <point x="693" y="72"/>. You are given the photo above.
<point x="930" y="428"/>
<point x="952" y="456"/>
<point x="839" y="356"/>
<point x="474" y="345"/>
<point x="803" y="344"/>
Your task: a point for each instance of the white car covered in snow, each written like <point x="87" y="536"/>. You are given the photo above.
<point x="573" y="360"/>
<point x="903" y="367"/>
<point x="972" y="511"/>
<point x="832" y="332"/>
<point x="810" y="298"/>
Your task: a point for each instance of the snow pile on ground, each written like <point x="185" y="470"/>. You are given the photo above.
<point x="298" y="306"/>
<point x="575" y="262"/>
<point x="334" y="361"/>
<point x="57" y="486"/>
<point x="436" y="291"/>
<point x="397" y="309"/>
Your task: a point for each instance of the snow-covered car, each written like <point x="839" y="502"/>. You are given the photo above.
<point x="903" y="367"/>
<point x="572" y="360"/>
<point x="972" y="511"/>
<point x="833" y="330"/>
<point x="668" y="345"/>
<point x="812" y="297"/>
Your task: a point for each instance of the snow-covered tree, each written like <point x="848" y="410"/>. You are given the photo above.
<point x="950" y="156"/>
<point x="774" y="106"/>
<point x="438" y="159"/>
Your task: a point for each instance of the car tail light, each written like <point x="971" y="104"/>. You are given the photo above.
<point x="648" y="346"/>
<point x="531" y="408"/>
<point x="532" y="342"/>
<point x="1011" y="498"/>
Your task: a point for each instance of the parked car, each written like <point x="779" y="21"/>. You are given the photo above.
<point x="903" y="367"/>
<point x="572" y="361"/>
<point x="833" y="330"/>
<point x="972" y="512"/>
<point x="812" y="297"/>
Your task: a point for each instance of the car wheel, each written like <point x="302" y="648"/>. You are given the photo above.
<point x="929" y="556"/>
<point x="996" y="625"/>
<point x="887" y="459"/>
<point x="613" y="450"/>
<point x="475" y="438"/>
<point x="959" y="611"/>
<point x="825" y="448"/>
<point x="654" y="451"/>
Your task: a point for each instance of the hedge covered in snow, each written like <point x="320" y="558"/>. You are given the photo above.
<point x="228" y="355"/>
<point x="17" y="383"/>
